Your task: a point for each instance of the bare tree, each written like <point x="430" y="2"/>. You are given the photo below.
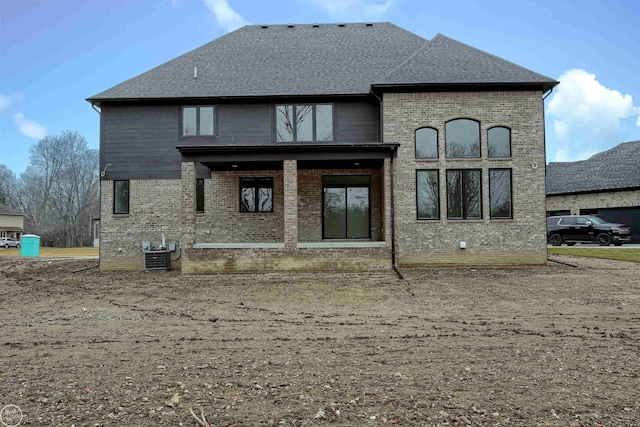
<point x="8" y="187"/>
<point x="59" y="191"/>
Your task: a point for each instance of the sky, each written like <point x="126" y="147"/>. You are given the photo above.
<point x="56" y="53"/>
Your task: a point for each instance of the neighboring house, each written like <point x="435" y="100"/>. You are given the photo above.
<point x="334" y="146"/>
<point x="11" y="222"/>
<point x="95" y="230"/>
<point x="607" y="184"/>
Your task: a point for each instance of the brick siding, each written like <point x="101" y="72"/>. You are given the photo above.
<point x="520" y="240"/>
<point x="575" y="202"/>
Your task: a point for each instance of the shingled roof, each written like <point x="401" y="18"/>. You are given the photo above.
<point x="6" y="210"/>
<point x="327" y="59"/>
<point x="614" y="169"/>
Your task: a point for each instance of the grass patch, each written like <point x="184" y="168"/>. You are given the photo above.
<point x="632" y="255"/>
<point x="54" y="252"/>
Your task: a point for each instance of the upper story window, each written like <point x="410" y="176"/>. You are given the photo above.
<point x="304" y="123"/>
<point x="499" y="141"/>
<point x="462" y="138"/>
<point x="198" y="121"/>
<point x="426" y="143"/>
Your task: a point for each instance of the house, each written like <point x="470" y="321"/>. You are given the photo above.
<point x="11" y="222"/>
<point x="95" y="230"/>
<point x="350" y="147"/>
<point x="607" y="184"/>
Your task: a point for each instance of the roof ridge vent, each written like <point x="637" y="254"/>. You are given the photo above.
<point x="342" y="25"/>
<point x="368" y="24"/>
<point x="290" y="25"/>
<point x="264" y="26"/>
<point x="316" y="25"/>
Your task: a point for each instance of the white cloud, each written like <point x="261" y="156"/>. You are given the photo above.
<point x="5" y="101"/>
<point x="28" y="127"/>
<point x="225" y="16"/>
<point x="351" y="8"/>
<point x="586" y="109"/>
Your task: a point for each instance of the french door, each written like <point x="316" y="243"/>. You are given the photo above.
<point x="346" y="207"/>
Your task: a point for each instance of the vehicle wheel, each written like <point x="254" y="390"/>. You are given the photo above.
<point x="555" y="240"/>
<point x="571" y="244"/>
<point x="18" y="246"/>
<point x="603" y="239"/>
<point x="6" y="246"/>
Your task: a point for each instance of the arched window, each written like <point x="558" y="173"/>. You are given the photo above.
<point x="499" y="140"/>
<point x="426" y="143"/>
<point x="462" y="138"/>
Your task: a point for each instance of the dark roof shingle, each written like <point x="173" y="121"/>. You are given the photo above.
<point x="6" y="210"/>
<point x="614" y="169"/>
<point x="327" y="59"/>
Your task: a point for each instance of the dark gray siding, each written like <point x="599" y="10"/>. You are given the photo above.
<point x="357" y="121"/>
<point x="140" y="141"/>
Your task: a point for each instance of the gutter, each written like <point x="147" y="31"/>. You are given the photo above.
<point x="94" y="107"/>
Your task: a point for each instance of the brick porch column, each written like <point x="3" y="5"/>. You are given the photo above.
<point x="290" y="177"/>
<point x="386" y="199"/>
<point x="188" y="223"/>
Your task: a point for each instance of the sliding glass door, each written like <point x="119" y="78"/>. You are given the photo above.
<point x="346" y="213"/>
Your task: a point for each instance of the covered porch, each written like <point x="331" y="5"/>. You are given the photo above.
<point x="287" y="208"/>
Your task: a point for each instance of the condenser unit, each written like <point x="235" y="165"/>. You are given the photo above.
<point x="157" y="260"/>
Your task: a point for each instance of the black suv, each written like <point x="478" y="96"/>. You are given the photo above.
<point x="585" y="228"/>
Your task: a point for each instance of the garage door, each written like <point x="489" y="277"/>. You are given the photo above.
<point x="629" y="216"/>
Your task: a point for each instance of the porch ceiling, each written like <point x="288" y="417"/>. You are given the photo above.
<point x="302" y="164"/>
<point x="223" y="157"/>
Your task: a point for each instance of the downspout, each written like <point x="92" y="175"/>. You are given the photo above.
<point x="394" y="263"/>
<point x="94" y="107"/>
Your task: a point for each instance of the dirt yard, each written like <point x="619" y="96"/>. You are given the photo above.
<point x="555" y="345"/>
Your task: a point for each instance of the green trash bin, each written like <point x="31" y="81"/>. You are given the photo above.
<point x="30" y="245"/>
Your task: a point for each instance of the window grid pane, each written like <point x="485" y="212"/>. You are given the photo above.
<point x="472" y="191"/>
<point x="426" y="143"/>
<point x="248" y="199"/>
<point x="189" y="121"/>
<point x="464" y="194"/>
<point x="121" y="197"/>
<point x="199" y="195"/>
<point x="499" y="140"/>
<point x="500" y="193"/>
<point x="462" y="138"/>
<point x="304" y="123"/>
<point x="428" y="194"/>
<point x="324" y="123"/>
<point x="206" y="120"/>
<point x="284" y="123"/>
